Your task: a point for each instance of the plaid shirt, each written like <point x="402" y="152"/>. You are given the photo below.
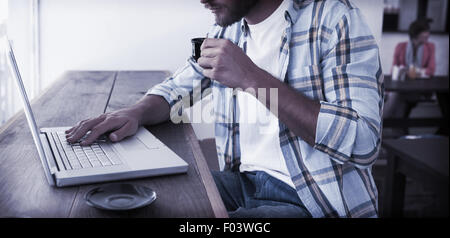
<point x="329" y="54"/>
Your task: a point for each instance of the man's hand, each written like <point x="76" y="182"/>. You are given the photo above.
<point x="150" y="110"/>
<point x="122" y="123"/>
<point x="227" y="63"/>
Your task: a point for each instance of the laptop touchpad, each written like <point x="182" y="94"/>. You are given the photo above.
<point x="134" y="144"/>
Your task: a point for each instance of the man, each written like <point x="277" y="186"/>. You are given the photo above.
<point x="419" y="53"/>
<point x="313" y="156"/>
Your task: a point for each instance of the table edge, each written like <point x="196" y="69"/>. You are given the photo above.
<point x="401" y="153"/>
<point x="212" y="192"/>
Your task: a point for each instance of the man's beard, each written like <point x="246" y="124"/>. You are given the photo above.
<point x="227" y="15"/>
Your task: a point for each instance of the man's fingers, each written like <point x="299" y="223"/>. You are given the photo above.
<point x="126" y="130"/>
<point x="210" y="52"/>
<point x="100" y="129"/>
<point x="73" y="129"/>
<point x="212" y="43"/>
<point x="81" y="130"/>
<point x="210" y="58"/>
<point x="206" y="63"/>
<point x="69" y="131"/>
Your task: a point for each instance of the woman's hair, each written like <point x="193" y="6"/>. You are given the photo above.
<point x="419" y="26"/>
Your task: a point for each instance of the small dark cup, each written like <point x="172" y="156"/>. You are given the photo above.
<point x="196" y="44"/>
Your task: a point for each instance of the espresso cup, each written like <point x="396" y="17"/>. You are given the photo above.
<point x="196" y="44"/>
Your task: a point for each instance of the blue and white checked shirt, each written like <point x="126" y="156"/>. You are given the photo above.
<point x="329" y="54"/>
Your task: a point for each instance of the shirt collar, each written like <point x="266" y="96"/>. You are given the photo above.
<point x="291" y="14"/>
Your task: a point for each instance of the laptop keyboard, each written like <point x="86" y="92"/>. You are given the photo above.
<point x="75" y="156"/>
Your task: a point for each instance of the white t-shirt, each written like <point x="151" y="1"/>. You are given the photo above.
<point x="258" y="127"/>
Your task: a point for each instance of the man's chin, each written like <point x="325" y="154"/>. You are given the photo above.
<point x="225" y="22"/>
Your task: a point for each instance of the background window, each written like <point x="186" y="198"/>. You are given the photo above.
<point x="5" y="82"/>
<point x="399" y="14"/>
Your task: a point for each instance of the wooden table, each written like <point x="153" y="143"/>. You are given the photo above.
<point x="421" y="85"/>
<point x="425" y="160"/>
<point x="78" y="95"/>
<point x="436" y="84"/>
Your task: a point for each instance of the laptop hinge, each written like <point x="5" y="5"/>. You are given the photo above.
<point x="49" y="153"/>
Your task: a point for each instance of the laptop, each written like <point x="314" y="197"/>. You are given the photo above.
<point x="141" y="155"/>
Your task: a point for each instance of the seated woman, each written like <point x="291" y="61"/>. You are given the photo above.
<point x="417" y="53"/>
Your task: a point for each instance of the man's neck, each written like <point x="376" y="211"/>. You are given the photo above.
<point x="262" y="10"/>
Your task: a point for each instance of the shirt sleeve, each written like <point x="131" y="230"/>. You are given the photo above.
<point x="185" y="86"/>
<point x="349" y="122"/>
<point x="431" y="67"/>
<point x="397" y="52"/>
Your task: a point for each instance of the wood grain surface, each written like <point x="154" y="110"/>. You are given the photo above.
<point x="79" y="95"/>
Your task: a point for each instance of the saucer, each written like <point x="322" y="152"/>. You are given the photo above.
<point x="120" y="197"/>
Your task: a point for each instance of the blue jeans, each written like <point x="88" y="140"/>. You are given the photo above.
<point x="258" y="195"/>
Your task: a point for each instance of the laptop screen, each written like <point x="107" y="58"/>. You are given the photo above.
<point x="28" y="113"/>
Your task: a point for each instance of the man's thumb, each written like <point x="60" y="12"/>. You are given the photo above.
<point x="113" y="137"/>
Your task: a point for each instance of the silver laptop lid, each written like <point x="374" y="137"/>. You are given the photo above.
<point x="28" y="113"/>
